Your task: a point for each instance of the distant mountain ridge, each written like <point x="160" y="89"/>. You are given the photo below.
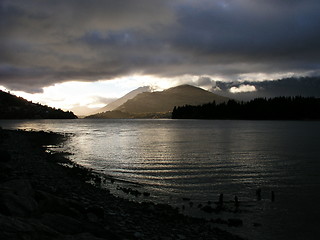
<point x="161" y="104"/>
<point x="166" y="100"/>
<point x="112" y="106"/>
<point x="13" y="107"/>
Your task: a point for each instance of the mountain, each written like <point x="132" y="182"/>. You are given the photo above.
<point x="166" y="100"/>
<point x="13" y="107"/>
<point x="115" y="114"/>
<point x="161" y="104"/>
<point x="113" y="105"/>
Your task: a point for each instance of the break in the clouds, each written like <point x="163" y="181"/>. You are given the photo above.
<point x="52" y="41"/>
<point x="243" y="88"/>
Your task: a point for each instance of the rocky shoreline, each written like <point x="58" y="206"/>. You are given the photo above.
<point x="41" y="198"/>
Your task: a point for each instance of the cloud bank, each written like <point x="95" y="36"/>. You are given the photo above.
<point x="305" y="87"/>
<point x="52" y="41"/>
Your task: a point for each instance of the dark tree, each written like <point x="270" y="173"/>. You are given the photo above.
<point x="13" y="107"/>
<point x="279" y="108"/>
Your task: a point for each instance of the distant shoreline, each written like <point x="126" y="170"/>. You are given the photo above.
<point x="279" y="108"/>
<point x="43" y="199"/>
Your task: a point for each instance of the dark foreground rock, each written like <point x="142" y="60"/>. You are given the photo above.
<point x="42" y="199"/>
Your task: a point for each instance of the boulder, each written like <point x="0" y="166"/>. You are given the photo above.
<point x="24" y="228"/>
<point x="234" y="222"/>
<point x="14" y="205"/>
<point x="208" y="209"/>
<point x="82" y="236"/>
<point x="95" y="213"/>
<point x="4" y="156"/>
<point x="62" y="224"/>
<point x="49" y="203"/>
<point x="17" y="198"/>
<point x="5" y="165"/>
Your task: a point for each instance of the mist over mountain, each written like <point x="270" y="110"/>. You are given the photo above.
<point x="161" y="104"/>
<point x="13" y="107"/>
<point x="113" y="105"/>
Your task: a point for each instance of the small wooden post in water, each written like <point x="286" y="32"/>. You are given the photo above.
<point x="221" y="199"/>
<point x="272" y="196"/>
<point x="258" y="194"/>
<point x="236" y="201"/>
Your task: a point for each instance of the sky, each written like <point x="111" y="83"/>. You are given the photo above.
<point x="87" y="52"/>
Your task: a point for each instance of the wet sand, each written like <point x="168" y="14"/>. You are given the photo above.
<point x="46" y="196"/>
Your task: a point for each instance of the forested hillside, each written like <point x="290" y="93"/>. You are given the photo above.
<point x="13" y="107"/>
<point x="279" y="108"/>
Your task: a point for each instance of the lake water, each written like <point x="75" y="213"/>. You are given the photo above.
<point x="199" y="159"/>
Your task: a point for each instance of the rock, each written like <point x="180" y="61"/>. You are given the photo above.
<point x="4" y="156"/>
<point x="12" y="224"/>
<point x="15" y="205"/>
<point x="17" y="198"/>
<point x="135" y="193"/>
<point x="220" y="221"/>
<point x="234" y="222"/>
<point x="146" y="194"/>
<point x="62" y="224"/>
<point x="272" y="196"/>
<point x="49" y="203"/>
<point x="208" y="209"/>
<point x="82" y="236"/>
<point x="180" y="236"/>
<point x="5" y="171"/>
<point x="95" y="213"/>
<point x="92" y="217"/>
<point x="99" y="230"/>
<point x="256" y="224"/>
<point x="129" y="190"/>
<point x="258" y="194"/>
<point x="138" y="235"/>
<point x="24" y="228"/>
<point x="19" y="187"/>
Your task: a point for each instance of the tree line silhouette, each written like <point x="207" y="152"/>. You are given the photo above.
<point x="279" y="108"/>
<point x="13" y="107"/>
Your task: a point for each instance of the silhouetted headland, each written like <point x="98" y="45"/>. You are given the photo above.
<point x="13" y="107"/>
<point x="41" y="198"/>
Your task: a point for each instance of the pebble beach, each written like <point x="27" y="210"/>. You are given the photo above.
<point x="43" y="195"/>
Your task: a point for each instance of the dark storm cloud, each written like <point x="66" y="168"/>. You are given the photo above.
<point x="304" y="86"/>
<point x="256" y="31"/>
<point x="45" y="42"/>
<point x="205" y="81"/>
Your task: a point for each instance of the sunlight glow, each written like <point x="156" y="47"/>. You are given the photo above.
<point x="85" y="97"/>
<point x="93" y="95"/>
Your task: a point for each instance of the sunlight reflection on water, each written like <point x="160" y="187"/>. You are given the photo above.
<point x="173" y="159"/>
